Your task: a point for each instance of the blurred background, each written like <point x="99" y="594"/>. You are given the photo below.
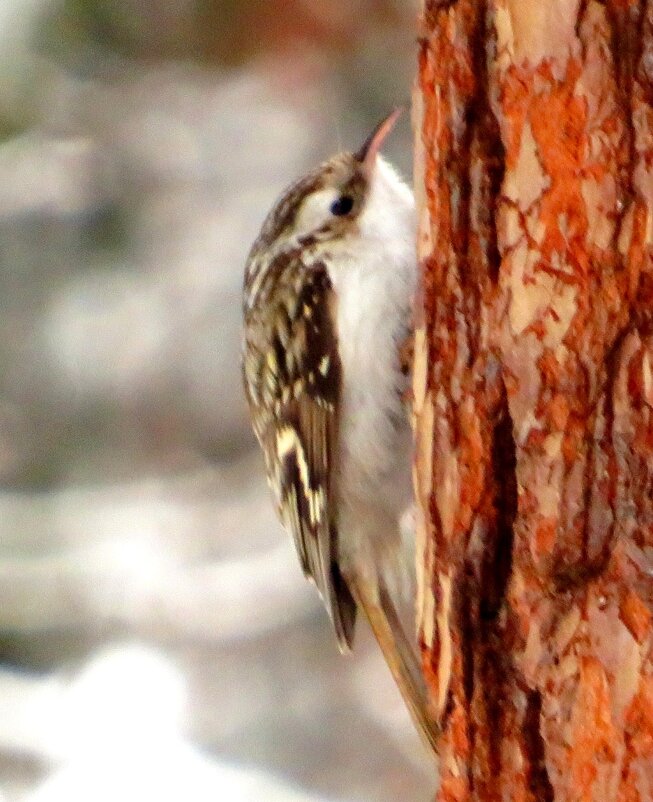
<point x="157" y="639"/>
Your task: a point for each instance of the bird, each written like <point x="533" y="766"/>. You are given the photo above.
<point x="328" y="309"/>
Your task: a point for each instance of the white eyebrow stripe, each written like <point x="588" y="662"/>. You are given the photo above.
<point x="315" y="210"/>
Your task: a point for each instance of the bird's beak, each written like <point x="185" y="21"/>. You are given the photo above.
<point x="367" y="153"/>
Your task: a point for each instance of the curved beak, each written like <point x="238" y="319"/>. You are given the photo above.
<point x="366" y="155"/>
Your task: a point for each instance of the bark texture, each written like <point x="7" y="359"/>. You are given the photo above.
<point x="534" y="395"/>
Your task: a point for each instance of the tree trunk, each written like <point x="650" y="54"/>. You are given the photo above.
<point x="534" y="395"/>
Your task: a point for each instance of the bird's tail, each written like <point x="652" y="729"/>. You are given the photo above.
<point x="401" y="655"/>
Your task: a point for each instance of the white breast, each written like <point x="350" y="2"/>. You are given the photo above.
<point x="374" y="279"/>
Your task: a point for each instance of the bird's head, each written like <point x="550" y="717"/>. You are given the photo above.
<point x="347" y="198"/>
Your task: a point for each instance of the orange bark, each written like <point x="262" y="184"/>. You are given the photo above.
<point x="533" y="388"/>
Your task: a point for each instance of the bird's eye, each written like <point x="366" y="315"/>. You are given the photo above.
<point x="342" y="205"/>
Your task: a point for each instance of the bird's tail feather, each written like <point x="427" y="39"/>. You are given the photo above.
<point x="400" y="654"/>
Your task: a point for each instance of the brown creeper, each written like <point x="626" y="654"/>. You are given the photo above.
<point x="327" y="305"/>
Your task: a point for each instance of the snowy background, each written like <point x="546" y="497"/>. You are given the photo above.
<point x="157" y="640"/>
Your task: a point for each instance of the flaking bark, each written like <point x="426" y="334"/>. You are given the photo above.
<point x="533" y="392"/>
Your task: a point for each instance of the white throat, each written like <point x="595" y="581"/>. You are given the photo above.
<point x="374" y="275"/>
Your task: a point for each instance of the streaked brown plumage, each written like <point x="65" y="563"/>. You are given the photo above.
<point x="292" y="381"/>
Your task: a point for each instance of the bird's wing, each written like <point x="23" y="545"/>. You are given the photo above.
<point x="295" y="413"/>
